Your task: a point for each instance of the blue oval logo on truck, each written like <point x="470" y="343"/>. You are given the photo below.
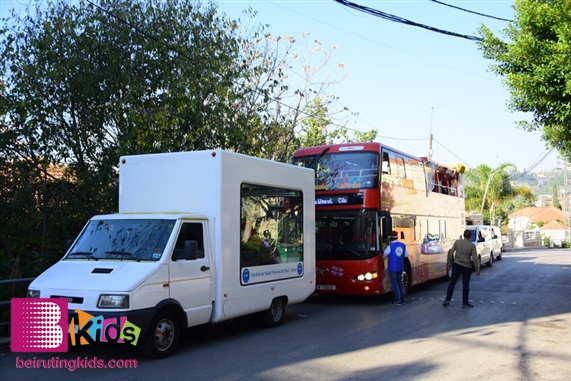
<point x="299" y="268"/>
<point x="246" y="275"/>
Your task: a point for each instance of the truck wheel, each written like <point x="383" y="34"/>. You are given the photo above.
<point x="163" y="335"/>
<point x="274" y="316"/>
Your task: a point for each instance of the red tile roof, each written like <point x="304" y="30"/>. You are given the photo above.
<point x="540" y="213"/>
<point x="554" y="225"/>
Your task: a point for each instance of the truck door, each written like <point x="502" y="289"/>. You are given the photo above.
<point x="191" y="281"/>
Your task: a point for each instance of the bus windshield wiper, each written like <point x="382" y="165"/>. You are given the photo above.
<point x="317" y="158"/>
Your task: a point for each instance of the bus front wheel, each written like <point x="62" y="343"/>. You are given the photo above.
<point x="406" y="280"/>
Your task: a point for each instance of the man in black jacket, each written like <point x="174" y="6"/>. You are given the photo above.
<point x="461" y="257"/>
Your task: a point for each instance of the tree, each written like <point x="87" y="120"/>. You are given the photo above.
<point x="298" y="111"/>
<point x="555" y="195"/>
<point x="487" y="189"/>
<point x="317" y="129"/>
<point x="534" y="64"/>
<point x="521" y="197"/>
<point x="83" y="84"/>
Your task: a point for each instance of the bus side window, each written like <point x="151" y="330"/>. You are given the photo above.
<point x="386" y="166"/>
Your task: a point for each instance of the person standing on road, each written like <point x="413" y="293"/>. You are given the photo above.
<point x="460" y="258"/>
<point x="396" y="253"/>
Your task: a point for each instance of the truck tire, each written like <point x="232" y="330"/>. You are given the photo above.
<point x="163" y="335"/>
<point x="274" y="316"/>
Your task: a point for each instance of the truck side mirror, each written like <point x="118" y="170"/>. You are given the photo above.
<point x="189" y="253"/>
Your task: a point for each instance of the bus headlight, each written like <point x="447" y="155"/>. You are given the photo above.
<point x="366" y="277"/>
<point x="113" y="301"/>
<point x="33" y="294"/>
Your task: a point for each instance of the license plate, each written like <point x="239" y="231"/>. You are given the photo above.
<point x="328" y="287"/>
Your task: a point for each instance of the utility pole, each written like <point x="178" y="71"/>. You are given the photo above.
<point x="565" y="200"/>
<point x="565" y="208"/>
<point x="486" y="190"/>
<point x="430" y="135"/>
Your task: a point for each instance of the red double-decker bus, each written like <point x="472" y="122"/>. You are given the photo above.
<point x="364" y="192"/>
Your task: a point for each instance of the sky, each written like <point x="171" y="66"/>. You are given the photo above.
<point x="408" y="82"/>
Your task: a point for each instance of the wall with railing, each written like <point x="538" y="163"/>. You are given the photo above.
<point x="10" y="288"/>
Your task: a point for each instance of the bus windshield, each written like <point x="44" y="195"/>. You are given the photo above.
<point x="346" y="235"/>
<point x="346" y="170"/>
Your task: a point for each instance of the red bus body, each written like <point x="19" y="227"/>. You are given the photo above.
<point x="364" y="192"/>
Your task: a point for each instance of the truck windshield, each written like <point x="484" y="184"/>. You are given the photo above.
<point x="351" y="235"/>
<point x="122" y="239"/>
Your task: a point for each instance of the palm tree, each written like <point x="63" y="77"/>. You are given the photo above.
<point x="521" y="197"/>
<point x="487" y="188"/>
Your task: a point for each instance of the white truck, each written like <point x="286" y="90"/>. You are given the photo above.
<point x="200" y="237"/>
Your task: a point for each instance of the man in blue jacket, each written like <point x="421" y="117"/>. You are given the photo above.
<point x="396" y="252"/>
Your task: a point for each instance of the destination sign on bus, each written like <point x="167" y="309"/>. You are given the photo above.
<point x="339" y="199"/>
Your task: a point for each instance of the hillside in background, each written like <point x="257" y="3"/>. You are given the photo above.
<point x="541" y="183"/>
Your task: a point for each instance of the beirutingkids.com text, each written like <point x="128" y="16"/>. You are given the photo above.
<point x="76" y="363"/>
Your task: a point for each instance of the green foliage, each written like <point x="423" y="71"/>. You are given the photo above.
<point x="520" y="198"/>
<point x="83" y="84"/>
<point x="534" y="64"/>
<point x="317" y="129"/>
<point x="546" y="241"/>
<point x="555" y="195"/>
<point x="250" y="245"/>
<point x="84" y="87"/>
<point x="489" y="192"/>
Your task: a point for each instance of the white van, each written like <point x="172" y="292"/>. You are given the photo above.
<point x="482" y="238"/>
<point x="198" y="239"/>
<point x="497" y="244"/>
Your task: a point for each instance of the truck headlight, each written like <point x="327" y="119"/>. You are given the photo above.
<point x="113" y="301"/>
<point x="33" y="294"/>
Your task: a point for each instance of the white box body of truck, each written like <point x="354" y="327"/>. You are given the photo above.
<point x="200" y="237"/>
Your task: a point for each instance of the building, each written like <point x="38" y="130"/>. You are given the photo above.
<point x="530" y="226"/>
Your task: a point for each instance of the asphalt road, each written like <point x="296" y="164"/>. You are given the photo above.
<point x="520" y="329"/>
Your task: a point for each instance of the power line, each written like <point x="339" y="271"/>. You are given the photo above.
<point x="469" y="11"/>
<point x="452" y="153"/>
<point x="173" y="48"/>
<point x="528" y="170"/>
<point x="401" y="20"/>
